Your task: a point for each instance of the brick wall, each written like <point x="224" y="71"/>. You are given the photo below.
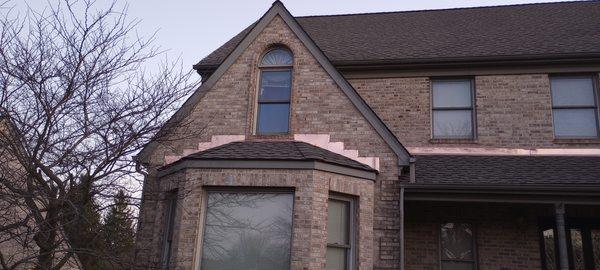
<point x="318" y="107"/>
<point x="309" y="233"/>
<point x="512" y="111"/>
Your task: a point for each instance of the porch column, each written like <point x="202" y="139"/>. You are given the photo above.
<point x="559" y="209"/>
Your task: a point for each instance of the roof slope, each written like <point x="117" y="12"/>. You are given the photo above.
<point x="507" y="170"/>
<point x="276" y="150"/>
<point x="544" y="30"/>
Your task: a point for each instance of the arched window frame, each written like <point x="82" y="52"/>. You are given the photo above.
<point x="265" y="102"/>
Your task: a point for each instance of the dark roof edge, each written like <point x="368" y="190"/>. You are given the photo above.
<point x="267" y="164"/>
<point x="508" y="188"/>
<point x="449" y="62"/>
<point x="531" y="194"/>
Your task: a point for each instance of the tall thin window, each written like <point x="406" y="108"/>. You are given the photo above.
<point x="574" y="107"/>
<point x="457" y="247"/>
<point x="170" y="211"/>
<point x="274" y="92"/>
<point x="340" y="227"/>
<point x="452" y="108"/>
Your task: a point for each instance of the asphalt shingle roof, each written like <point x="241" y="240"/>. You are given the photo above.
<point x="507" y="170"/>
<point x="521" y="31"/>
<point x="275" y="150"/>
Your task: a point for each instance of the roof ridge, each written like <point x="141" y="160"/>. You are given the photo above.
<point x="449" y="9"/>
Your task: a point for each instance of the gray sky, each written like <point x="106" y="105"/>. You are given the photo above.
<point x="193" y="28"/>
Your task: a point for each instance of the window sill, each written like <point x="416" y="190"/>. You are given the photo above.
<point x="453" y="141"/>
<point x="271" y="137"/>
<point x="576" y="140"/>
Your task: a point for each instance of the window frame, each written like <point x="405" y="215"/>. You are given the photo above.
<point x="271" y="68"/>
<point x="475" y="260"/>
<point x="237" y="190"/>
<point x="351" y="249"/>
<point x="595" y="92"/>
<point x="472" y="108"/>
<point x="170" y="206"/>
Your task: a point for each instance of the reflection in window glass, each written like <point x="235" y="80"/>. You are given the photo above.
<point x="339" y="244"/>
<point x="577" y="250"/>
<point x="549" y="249"/>
<point x="574" y="105"/>
<point x="247" y="231"/>
<point x="452" y="108"/>
<point x="457" y="246"/>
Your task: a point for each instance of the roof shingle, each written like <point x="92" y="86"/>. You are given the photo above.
<point x="548" y="29"/>
<point x="275" y="150"/>
<point x="507" y="170"/>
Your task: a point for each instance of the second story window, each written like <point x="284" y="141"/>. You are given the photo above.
<point x="274" y="92"/>
<point x="574" y="107"/>
<point x="452" y="109"/>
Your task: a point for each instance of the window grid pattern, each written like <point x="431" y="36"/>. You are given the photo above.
<point x="575" y="106"/>
<point x="452" y="109"/>
<point x="457" y="247"/>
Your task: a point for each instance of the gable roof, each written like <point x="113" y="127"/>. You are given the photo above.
<point x="507" y="170"/>
<point x="278" y="9"/>
<point x="529" y="31"/>
<point x="275" y="150"/>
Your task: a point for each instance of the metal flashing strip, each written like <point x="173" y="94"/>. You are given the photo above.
<point x="266" y="164"/>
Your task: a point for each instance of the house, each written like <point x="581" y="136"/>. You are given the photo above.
<point x="440" y="139"/>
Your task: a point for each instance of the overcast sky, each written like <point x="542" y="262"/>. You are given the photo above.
<point x="193" y="28"/>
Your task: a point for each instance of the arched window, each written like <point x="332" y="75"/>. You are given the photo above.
<point x="274" y="92"/>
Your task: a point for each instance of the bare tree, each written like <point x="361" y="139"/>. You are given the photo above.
<point x="75" y="105"/>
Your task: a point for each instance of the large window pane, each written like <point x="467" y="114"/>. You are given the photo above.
<point x="336" y="258"/>
<point x="573" y="91"/>
<point x="457" y="241"/>
<point x="275" y="86"/>
<point x="452" y="124"/>
<point x="247" y="231"/>
<point x="273" y="118"/>
<point x="575" y="123"/>
<point x="337" y="222"/>
<point x="452" y="94"/>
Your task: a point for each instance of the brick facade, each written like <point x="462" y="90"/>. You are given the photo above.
<point x="511" y="110"/>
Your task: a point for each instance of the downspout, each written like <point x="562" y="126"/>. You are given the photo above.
<point x="559" y="209"/>
<point x="402" y="252"/>
<point x="138" y="169"/>
<point x="413" y="173"/>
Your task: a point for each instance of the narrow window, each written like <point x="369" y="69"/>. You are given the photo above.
<point x="275" y="91"/>
<point x="170" y="211"/>
<point x="340" y="225"/>
<point x="457" y="247"/>
<point x="452" y="109"/>
<point x="574" y="107"/>
<point x="247" y="230"/>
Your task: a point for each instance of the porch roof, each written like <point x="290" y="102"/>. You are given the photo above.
<point x="507" y="170"/>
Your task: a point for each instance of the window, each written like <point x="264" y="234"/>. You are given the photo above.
<point x="274" y="92"/>
<point x="247" y="230"/>
<point x="452" y="108"/>
<point x="170" y="211"/>
<point x="574" y="106"/>
<point x="340" y="227"/>
<point x="457" y="247"/>
<point x="583" y="244"/>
